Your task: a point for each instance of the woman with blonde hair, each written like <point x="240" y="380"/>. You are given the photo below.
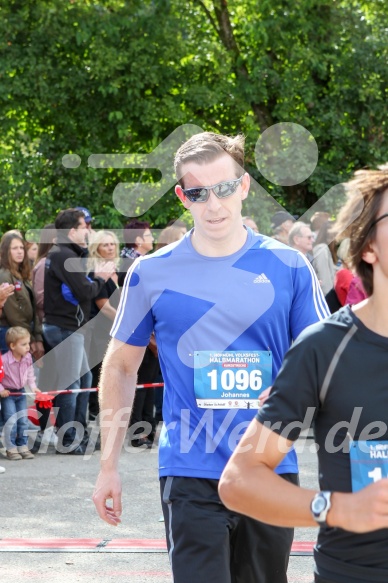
<point x="103" y="246"/>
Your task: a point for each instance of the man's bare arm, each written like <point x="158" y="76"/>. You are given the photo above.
<point x="116" y="393"/>
<point x="250" y="486"/>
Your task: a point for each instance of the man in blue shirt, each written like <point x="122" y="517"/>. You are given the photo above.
<point x="225" y="305"/>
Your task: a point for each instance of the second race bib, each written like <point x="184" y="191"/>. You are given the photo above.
<point x="368" y="462"/>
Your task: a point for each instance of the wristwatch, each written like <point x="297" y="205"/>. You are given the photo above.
<point x="320" y="506"/>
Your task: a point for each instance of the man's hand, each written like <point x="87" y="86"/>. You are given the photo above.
<point x="362" y="511"/>
<point x="108" y="488"/>
<point x="116" y="391"/>
<point x="6" y="290"/>
<point x="37" y="350"/>
<point x="105" y="270"/>
<point x="4" y="393"/>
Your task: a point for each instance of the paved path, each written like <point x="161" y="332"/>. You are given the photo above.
<point x="48" y="501"/>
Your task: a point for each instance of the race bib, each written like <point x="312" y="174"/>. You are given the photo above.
<point x="368" y="462"/>
<point x="231" y="380"/>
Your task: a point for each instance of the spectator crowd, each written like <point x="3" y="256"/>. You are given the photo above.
<point x="63" y="300"/>
<point x="64" y="292"/>
<point x="58" y="300"/>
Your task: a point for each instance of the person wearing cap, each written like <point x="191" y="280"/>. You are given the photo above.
<point x="67" y="302"/>
<point x="281" y="223"/>
<point x="88" y="220"/>
<point x="87" y="214"/>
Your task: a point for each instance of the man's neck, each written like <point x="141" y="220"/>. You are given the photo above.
<point x="221" y="247"/>
<point x="282" y="238"/>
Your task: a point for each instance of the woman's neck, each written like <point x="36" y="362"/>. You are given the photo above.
<point x="373" y="313"/>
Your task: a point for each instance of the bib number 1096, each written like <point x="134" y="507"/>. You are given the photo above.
<point x="240" y="379"/>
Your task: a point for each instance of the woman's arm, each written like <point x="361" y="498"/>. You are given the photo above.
<point x="104" y="306"/>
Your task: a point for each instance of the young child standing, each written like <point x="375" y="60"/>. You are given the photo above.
<point x="18" y="372"/>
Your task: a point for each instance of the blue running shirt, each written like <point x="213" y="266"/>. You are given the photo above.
<point x="259" y="298"/>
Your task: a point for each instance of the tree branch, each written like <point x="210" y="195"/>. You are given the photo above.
<point x="209" y="15"/>
<point x="227" y="37"/>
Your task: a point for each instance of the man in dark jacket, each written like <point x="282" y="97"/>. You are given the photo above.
<point x="67" y="299"/>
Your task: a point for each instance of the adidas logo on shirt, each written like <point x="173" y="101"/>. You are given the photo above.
<point x="262" y="278"/>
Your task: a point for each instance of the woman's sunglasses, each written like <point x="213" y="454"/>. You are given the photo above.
<point x="221" y="190"/>
<point x="378" y="220"/>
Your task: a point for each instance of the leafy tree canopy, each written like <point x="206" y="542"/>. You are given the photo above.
<point x="85" y="77"/>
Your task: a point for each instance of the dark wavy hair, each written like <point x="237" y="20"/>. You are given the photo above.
<point x="357" y="218"/>
<point x="132" y="230"/>
<point x="20" y="271"/>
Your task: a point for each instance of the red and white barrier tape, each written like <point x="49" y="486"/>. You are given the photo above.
<point x="94" y="390"/>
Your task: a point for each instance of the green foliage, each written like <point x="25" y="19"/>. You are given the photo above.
<point x="110" y="76"/>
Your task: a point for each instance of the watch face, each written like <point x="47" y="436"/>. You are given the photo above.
<point x="319" y="504"/>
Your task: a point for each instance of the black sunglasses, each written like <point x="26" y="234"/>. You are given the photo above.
<point x="221" y="190"/>
<point x="378" y="220"/>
